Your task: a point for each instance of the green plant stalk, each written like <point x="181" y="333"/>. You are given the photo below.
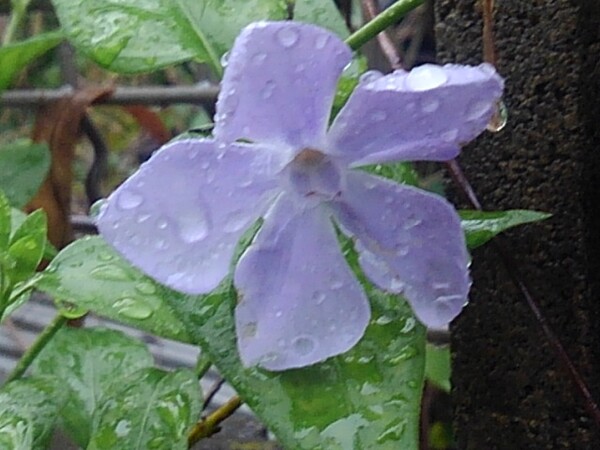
<point x="380" y="22"/>
<point x="17" y="14"/>
<point x="31" y="353"/>
<point x="210" y="424"/>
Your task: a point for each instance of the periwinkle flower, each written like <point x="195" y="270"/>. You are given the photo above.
<point x="180" y="216"/>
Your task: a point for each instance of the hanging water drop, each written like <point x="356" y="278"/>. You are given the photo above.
<point x="129" y="199"/>
<point x="499" y="118"/>
<point x="225" y="59"/>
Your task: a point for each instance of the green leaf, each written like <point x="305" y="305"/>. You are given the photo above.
<point x="14" y="57"/>
<point x="28" y="410"/>
<point x="87" y="362"/>
<point x="366" y="398"/>
<point x="150" y="408"/>
<point x="5" y="221"/>
<point x="323" y="13"/>
<point x="91" y="275"/>
<point x="481" y="226"/>
<point x="143" y="35"/>
<point x="438" y="366"/>
<point x="27" y="246"/>
<point x="23" y="167"/>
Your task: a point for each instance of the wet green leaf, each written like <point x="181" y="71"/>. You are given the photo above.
<point x="437" y="366"/>
<point x="26" y="247"/>
<point x="91" y="275"/>
<point x="86" y="362"/>
<point x="28" y="410"/>
<point x="481" y="226"/>
<point x="323" y="13"/>
<point x="23" y="167"/>
<point x="144" y="35"/>
<point x="148" y="409"/>
<point x="14" y="57"/>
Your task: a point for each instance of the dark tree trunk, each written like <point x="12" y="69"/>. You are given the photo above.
<point x="510" y="390"/>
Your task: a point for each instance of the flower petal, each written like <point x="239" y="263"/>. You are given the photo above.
<point x="299" y="301"/>
<point x="179" y="217"/>
<point x="279" y="85"/>
<point x="409" y="241"/>
<point x="425" y="114"/>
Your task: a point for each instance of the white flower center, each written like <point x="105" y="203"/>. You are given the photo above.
<point x="312" y="175"/>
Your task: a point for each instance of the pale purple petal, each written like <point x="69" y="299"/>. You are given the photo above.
<point x="299" y="301"/>
<point x="279" y="85"/>
<point x="425" y="114"/>
<point x="409" y="242"/>
<point x="179" y="217"/>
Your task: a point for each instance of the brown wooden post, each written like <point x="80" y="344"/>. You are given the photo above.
<point x="509" y="389"/>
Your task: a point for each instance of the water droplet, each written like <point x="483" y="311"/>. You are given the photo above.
<point x="279" y="314"/>
<point x="396" y="285"/>
<point x="129" y="199"/>
<point x="268" y="89"/>
<point x="369" y="76"/>
<point x="110" y="273"/>
<point x="97" y="208"/>
<point x="194" y="226"/>
<point x="426" y="77"/>
<point x="162" y="224"/>
<point x="409" y="325"/>
<point x="429" y="105"/>
<point x="499" y="119"/>
<point x="336" y="284"/>
<point x="319" y="297"/>
<point x="145" y="288"/>
<point x="225" y="59"/>
<point x="450" y="135"/>
<point x="303" y="345"/>
<point x="383" y="320"/>
<point x="249" y="330"/>
<point x="411" y="221"/>
<point x="236" y="221"/>
<point x="445" y="299"/>
<point x="142" y="218"/>
<point x="105" y="257"/>
<point x="321" y="41"/>
<point x="378" y="116"/>
<point x="259" y="58"/>
<point x="407" y="352"/>
<point x="122" y="429"/>
<point x="440" y="286"/>
<point x="134" y="309"/>
<point x="288" y="36"/>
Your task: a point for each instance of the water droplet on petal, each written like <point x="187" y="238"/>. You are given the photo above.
<point x="429" y="105"/>
<point x="267" y="91"/>
<point x="133" y="309"/>
<point x="319" y="297"/>
<point x="194" y="226"/>
<point x="499" y="119"/>
<point x="411" y="221"/>
<point x="396" y="285"/>
<point x="97" y="208"/>
<point x="426" y="77"/>
<point x="450" y="135"/>
<point x="288" y="36"/>
<point x="142" y="218"/>
<point x="378" y="116"/>
<point x="370" y="76"/>
<point x="249" y="330"/>
<point x="236" y="221"/>
<point x="303" y="345"/>
<point x="259" y="58"/>
<point x="321" y="41"/>
<point x="128" y="199"/>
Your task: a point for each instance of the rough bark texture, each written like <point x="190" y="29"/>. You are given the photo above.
<point x="510" y="390"/>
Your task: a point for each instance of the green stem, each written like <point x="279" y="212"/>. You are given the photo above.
<point x="37" y="347"/>
<point x="16" y="17"/>
<point x="380" y="22"/>
<point x="202" y="365"/>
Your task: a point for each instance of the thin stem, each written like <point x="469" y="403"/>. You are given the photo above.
<point x="385" y="42"/>
<point x="17" y="15"/>
<point x="37" y="347"/>
<point x="383" y="20"/>
<point x="202" y="365"/>
<point x="210" y="424"/>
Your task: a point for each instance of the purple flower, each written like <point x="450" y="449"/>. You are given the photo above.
<point x="181" y="215"/>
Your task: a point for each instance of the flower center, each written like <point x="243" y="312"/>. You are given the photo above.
<point x="312" y="175"/>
